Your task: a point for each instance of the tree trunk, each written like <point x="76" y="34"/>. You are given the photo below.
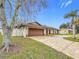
<point x="6" y="39"/>
<point x="74" y="31"/>
<point x="6" y="31"/>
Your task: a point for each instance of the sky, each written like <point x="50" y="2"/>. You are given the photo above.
<point x="53" y="15"/>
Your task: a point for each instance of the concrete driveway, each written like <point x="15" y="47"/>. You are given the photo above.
<point x="69" y="48"/>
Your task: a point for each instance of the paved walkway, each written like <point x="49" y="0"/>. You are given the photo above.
<point x="57" y="42"/>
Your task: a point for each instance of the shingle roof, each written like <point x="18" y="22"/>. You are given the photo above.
<point x="34" y="25"/>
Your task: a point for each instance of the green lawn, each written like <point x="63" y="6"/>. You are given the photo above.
<point x="31" y="49"/>
<point x="72" y="39"/>
<point x="69" y="35"/>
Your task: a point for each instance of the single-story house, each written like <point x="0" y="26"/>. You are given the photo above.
<point x="33" y="29"/>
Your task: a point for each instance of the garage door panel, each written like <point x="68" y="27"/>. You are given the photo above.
<point x="36" y="32"/>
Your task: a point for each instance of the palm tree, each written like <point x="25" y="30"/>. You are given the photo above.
<point x="72" y="15"/>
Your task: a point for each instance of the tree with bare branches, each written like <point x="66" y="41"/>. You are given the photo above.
<point x="29" y="7"/>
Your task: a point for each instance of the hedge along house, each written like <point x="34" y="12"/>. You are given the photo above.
<point x="33" y="29"/>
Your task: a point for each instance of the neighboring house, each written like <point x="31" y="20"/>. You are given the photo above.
<point x="65" y="31"/>
<point x="65" y="28"/>
<point x="33" y="29"/>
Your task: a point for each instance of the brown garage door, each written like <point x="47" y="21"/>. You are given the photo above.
<point x="36" y="32"/>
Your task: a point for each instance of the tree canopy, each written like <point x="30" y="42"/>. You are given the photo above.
<point x="64" y="25"/>
<point x="71" y="14"/>
<point x="29" y="9"/>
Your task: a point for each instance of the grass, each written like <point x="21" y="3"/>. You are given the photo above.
<point x="72" y="39"/>
<point x="31" y="49"/>
<point x="69" y="35"/>
<point x="65" y="34"/>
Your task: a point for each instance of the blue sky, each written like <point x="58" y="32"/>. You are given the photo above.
<point x="53" y="15"/>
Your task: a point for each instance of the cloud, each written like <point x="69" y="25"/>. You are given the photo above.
<point x="68" y="3"/>
<point x="62" y="4"/>
<point x="60" y="1"/>
<point x="65" y="3"/>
